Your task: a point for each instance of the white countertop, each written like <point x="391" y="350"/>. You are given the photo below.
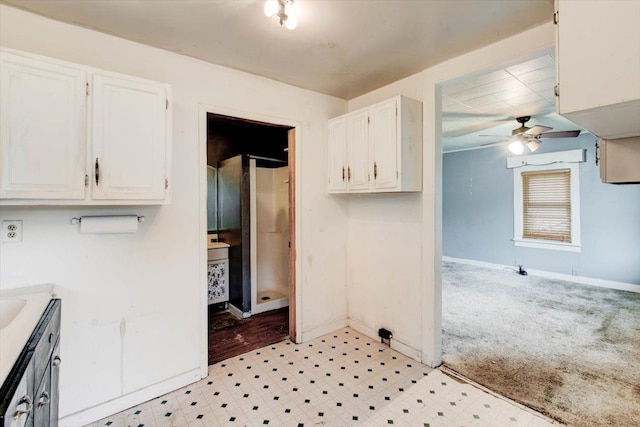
<point x="15" y="335"/>
<point x="215" y="245"/>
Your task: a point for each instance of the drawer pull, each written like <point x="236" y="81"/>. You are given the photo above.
<point x="28" y="403"/>
<point x="56" y="361"/>
<point x="44" y="399"/>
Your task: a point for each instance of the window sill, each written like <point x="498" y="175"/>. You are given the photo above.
<point x="545" y="244"/>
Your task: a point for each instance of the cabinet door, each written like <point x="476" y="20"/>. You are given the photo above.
<point x="358" y="151"/>
<point x="129" y="130"/>
<point x="42" y="400"/>
<point x="598" y="54"/>
<point x="43" y="132"/>
<point x="384" y="145"/>
<point x="337" y="155"/>
<point x="218" y="281"/>
<point x="55" y="386"/>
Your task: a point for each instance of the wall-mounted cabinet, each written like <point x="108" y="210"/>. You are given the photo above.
<point x="620" y="160"/>
<point x="377" y="149"/>
<point x="598" y="60"/>
<point x="76" y="135"/>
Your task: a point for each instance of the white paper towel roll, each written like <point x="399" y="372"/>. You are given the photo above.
<point x="109" y="224"/>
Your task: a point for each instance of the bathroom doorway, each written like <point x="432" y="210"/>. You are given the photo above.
<point x="251" y="221"/>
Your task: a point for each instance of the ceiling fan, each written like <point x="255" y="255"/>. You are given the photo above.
<point x="531" y="136"/>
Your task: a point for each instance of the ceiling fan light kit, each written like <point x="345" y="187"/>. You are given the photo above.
<point x="284" y="10"/>
<point x="532" y="136"/>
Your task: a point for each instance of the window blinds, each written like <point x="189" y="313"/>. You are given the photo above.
<point x="546" y="205"/>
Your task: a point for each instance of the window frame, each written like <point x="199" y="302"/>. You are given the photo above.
<point x="575" y="245"/>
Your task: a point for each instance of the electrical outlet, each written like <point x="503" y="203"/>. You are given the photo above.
<point x="12" y="231"/>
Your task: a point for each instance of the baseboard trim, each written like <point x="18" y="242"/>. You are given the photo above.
<point x="396" y="345"/>
<point x="239" y="314"/>
<point x="324" y="329"/>
<point x="119" y="404"/>
<point x="601" y="283"/>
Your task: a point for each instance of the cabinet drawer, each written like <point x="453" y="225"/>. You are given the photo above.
<point x="217" y="254"/>
<point x="48" y="339"/>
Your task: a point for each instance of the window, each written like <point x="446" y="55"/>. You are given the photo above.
<point x="547" y="200"/>
<point x="546" y="205"/>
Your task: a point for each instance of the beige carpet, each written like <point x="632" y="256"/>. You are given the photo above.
<point x="570" y="351"/>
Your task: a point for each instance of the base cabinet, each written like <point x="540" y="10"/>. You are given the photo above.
<point x="218" y="275"/>
<point x="29" y="394"/>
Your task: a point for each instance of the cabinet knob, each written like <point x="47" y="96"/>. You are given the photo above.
<point x="44" y="399"/>
<point x="27" y="406"/>
<point x="56" y="361"/>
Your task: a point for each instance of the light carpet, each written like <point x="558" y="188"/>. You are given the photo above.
<point x="570" y="351"/>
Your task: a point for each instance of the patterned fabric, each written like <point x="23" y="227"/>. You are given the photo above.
<point x="216" y="282"/>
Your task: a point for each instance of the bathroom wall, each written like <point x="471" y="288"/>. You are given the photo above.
<point x="272" y="205"/>
<point x="212" y="198"/>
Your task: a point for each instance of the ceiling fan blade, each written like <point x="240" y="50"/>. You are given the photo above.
<point x="497" y="136"/>
<point x="537" y="130"/>
<point x="560" y="134"/>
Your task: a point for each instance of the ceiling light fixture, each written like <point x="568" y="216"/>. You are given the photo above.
<point x="283" y="9"/>
<point x="516" y="147"/>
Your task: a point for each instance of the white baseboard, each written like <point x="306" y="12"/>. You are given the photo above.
<point x="396" y="345"/>
<point x="324" y="329"/>
<point x="119" y="404"/>
<point x="602" y="283"/>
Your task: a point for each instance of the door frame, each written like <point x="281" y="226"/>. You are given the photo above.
<point x="294" y="137"/>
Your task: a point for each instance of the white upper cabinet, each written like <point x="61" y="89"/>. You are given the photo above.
<point x="74" y="135"/>
<point x="358" y="151"/>
<point x="128" y="139"/>
<point x="598" y="57"/>
<point x="43" y="139"/>
<point x="383" y="146"/>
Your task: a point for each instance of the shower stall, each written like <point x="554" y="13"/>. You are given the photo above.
<point x="253" y="218"/>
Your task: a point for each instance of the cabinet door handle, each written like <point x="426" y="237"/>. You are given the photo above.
<point x="97" y="172"/>
<point x="343" y="173"/>
<point x="56" y="361"/>
<point x="349" y="173"/>
<point x="26" y="400"/>
<point x="44" y="399"/>
<point x="375" y="170"/>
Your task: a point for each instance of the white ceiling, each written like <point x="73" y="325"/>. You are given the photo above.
<point x="347" y="48"/>
<point x="343" y="48"/>
<point x="489" y="104"/>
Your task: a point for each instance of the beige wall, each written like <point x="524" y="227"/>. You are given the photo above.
<point x="155" y="279"/>
<point x="395" y="241"/>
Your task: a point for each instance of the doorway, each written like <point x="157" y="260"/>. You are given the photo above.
<point x="250" y="213"/>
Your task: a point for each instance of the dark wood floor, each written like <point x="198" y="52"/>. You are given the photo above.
<point x="229" y="336"/>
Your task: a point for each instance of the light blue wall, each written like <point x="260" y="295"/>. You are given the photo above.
<point x="478" y="216"/>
